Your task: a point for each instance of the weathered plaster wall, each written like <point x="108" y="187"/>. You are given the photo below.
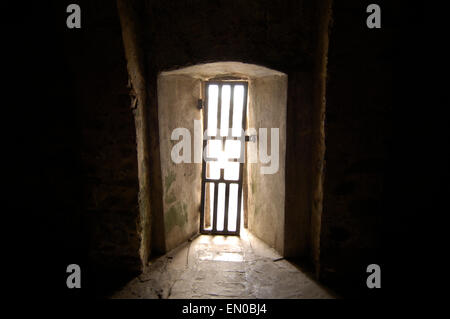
<point x="143" y="104"/>
<point x="298" y="165"/>
<point x="177" y="101"/>
<point x="139" y="103"/>
<point x="266" y="192"/>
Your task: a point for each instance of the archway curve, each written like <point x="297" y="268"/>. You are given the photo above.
<point x="210" y="70"/>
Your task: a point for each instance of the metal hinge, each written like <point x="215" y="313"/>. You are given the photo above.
<point x="200" y="104"/>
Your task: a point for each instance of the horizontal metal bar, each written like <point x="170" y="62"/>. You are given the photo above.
<point x="219" y="232"/>
<point x="226" y="137"/>
<point x="215" y="159"/>
<point x="220" y="180"/>
<point x="220" y="82"/>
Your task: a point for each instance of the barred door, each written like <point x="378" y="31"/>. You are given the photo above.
<point x="222" y="172"/>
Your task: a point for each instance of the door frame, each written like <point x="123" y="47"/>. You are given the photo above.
<point x="240" y="180"/>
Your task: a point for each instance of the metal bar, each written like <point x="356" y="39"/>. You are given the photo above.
<point x="216" y="191"/>
<point x="202" y="207"/>
<point x="220" y="232"/>
<point x="239" y="199"/>
<point x="227" y="199"/>
<point x="221" y="180"/>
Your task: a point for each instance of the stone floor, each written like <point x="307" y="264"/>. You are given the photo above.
<point x="223" y="267"/>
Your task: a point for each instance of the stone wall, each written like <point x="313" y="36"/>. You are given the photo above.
<point x="88" y="125"/>
<point x="358" y="128"/>
<point x="79" y="144"/>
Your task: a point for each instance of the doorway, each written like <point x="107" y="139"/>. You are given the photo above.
<point x="179" y="92"/>
<point x="225" y="113"/>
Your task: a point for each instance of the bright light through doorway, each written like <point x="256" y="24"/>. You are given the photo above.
<point x="232" y="150"/>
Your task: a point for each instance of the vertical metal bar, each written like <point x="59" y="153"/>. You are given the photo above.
<point x="218" y="136"/>
<point x="216" y="188"/>
<point x="227" y="195"/>
<point x="202" y="208"/>
<point x="238" y="213"/>
<point x="230" y="137"/>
